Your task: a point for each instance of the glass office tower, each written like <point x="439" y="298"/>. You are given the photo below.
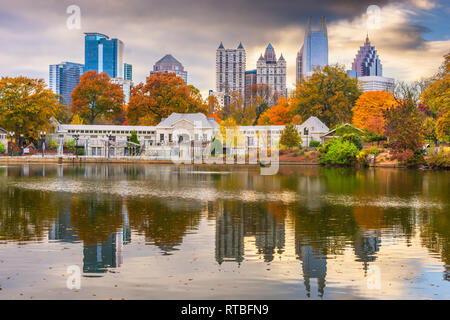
<point x="104" y="55"/>
<point x="63" y="78"/>
<point x="314" y="52"/>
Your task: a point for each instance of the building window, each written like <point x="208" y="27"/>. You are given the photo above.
<point x="161" y="137"/>
<point x="170" y="137"/>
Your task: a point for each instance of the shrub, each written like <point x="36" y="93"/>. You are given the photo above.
<point x="314" y="144"/>
<point x="340" y="152"/>
<point x="353" y="138"/>
<point x="2" y="148"/>
<point x="70" y="144"/>
<point x="80" y="151"/>
<point x="439" y="160"/>
<point x="299" y="152"/>
<point x="372" y="150"/>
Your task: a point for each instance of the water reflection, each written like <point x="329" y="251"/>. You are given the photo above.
<point x="316" y="214"/>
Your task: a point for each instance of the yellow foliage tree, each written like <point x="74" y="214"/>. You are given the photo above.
<point x="437" y="96"/>
<point x="27" y="106"/>
<point x="368" y="110"/>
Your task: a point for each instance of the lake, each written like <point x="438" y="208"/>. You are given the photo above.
<point x="199" y="232"/>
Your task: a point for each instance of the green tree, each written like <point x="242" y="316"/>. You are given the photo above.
<point x="96" y="97"/>
<point x="2" y="148"/>
<point x="328" y="94"/>
<point x="290" y="137"/>
<point x="340" y="152"/>
<point x="27" y="106"/>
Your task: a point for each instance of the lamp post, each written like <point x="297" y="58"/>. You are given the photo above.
<point x="43" y="134"/>
<point x="76" y="137"/>
<point x="21" y="144"/>
<point x="109" y="136"/>
<point x="11" y="136"/>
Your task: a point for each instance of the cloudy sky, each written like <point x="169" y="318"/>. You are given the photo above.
<point x="411" y="36"/>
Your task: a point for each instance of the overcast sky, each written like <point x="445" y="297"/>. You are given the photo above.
<point x="412" y="37"/>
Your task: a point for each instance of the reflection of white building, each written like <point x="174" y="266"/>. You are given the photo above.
<point x="172" y="134"/>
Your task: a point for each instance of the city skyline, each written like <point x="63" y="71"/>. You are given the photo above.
<point x="425" y="43"/>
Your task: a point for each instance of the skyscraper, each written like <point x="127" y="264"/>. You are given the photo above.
<point x="367" y="62"/>
<point x="271" y="71"/>
<point x="127" y="71"/>
<point x="63" y="78"/>
<point x="230" y="70"/>
<point x="104" y="55"/>
<point x="314" y="52"/>
<point x="169" y="64"/>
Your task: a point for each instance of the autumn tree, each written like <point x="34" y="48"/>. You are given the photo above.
<point x="279" y="114"/>
<point x="437" y="97"/>
<point x="213" y="105"/>
<point x="242" y="113"/>
<point x="161" y="95"/>
<point x="368" y="110"/>
<point x="27" y="106"/>
<point x="328" y="94"/>
<point x="404" y="130"/>
<point x="290" y="136"/>
<point x="96" y="97"/>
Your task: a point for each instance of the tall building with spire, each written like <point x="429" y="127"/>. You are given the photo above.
<point x="314" y="52"/>
<point x="367" y="62"/>
<point x="271" y="71"/>
<point x="230" y="70"/>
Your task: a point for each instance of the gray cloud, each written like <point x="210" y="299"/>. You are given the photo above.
<point x="189" y="29"/>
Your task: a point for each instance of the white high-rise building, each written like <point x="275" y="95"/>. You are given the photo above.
<point x="126" y="86"/>
<point x="230" y="70"/>
<point x="271" y="71"/>
<point x="376" y="83"/>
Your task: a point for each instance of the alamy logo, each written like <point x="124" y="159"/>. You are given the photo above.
<point x="373" y="17"/>
<point x="74" y="20"/>
<point x="74" y="279"/>
<point x="374" y="278"/>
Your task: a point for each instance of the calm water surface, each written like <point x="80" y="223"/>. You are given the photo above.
<point x="184" y="232"/>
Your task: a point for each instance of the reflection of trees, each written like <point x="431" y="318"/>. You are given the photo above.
<point x="26" y="214"/>
<point x="435" y="235"/>
<point x="95" y="217"/>
<point x="318" y="234"/>
<point x="163" y="222"/>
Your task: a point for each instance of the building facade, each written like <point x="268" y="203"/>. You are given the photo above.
<point x="127" y="71"/>
<point x="126" y="86"/>
<point x="314" y="52"/>
<point x="104" y="55"/>
<point x="4" y="139"/>
<point x="63" y="78"/>
<point x="175" y="135"/>
<point x="230" y="70"/>
<point x="367" y="62"/>
<point x="271" y="71"/>
<point x="376" y="83"/>
<point x="169" y="64"/>
<point x="250" y="78"/>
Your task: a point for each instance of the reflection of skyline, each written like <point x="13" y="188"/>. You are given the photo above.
<point x="97" y="257"/>
<point x="322" y="229"/>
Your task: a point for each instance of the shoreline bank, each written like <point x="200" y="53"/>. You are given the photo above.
<point x="84" y="160"/>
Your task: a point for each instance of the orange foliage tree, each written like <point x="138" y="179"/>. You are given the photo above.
<point x="95" y="97"/>
<point x="368" y="110"/>
<point x="279" y="114"/>
<point x="162" y="94"/>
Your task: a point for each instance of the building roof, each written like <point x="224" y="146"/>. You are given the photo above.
<point x="191" y="117"/>
<point x="315" y="124"/>
<point x="240" y="46"/>
<point x="221" y="45"/>
<point x="3" y="130"/>
<point x="344" y="125"/>
<point x="168" y="58"/>
<point x="63" y="127"/>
